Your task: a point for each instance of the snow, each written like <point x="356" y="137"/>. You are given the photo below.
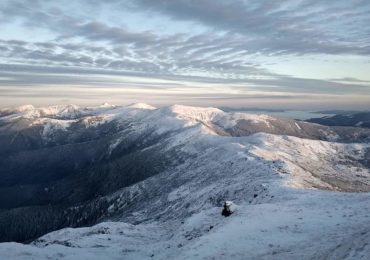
<point x="231" y="119"/>
<point x="93" y="121"/>
<point x="51" y="126"/>
<point x="215" y="115"/>
<point x="330" y="135"/>
<point x="287" y="192"/>
<point x="310" y="226"/>
<point x="24" y="108"/>
<point x="196" y="113"/>
<point x="308" y="161"/>
<point x="142" y="106"/>
<point x="300" y="225"/>
<point x="59" y="111"/>
<point x="15" y="110"/>
<point x="106" y="105"/>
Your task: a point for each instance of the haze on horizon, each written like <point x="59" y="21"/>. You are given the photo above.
<point x="305" y="54"/>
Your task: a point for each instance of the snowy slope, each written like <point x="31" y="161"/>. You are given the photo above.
<point x="301" y="225"/>
<point x="287" y="192"/>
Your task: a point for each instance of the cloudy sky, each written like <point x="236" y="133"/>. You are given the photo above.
<point x="305" y="54"/>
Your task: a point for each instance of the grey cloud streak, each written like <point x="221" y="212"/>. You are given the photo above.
<point x="266" y="26"/>
<point x="296" y="27"/>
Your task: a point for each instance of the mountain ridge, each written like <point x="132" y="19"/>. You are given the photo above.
<point x="146" y="166"/>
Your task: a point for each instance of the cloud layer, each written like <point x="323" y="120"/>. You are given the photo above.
<point x="222" y="49"/>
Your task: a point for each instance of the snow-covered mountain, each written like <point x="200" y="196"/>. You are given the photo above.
<point x="155" y="180"/>
<point x="359" y="119"/>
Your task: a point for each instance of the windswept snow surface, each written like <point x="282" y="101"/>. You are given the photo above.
<point x="295" y="198"/>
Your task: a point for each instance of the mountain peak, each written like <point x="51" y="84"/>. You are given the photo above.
<point x="141" y="106"/>
<point x="105" y="105"/>
<point x="19" y="109"/>
<point x="197" y="113"/>
<point x="25" y="108"/>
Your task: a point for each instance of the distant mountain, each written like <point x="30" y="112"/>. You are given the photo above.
<point x="352" y="119"/>
<point x="154" y="181"/>
<point x="241" y="109"/>
<point x="339" y="112"/>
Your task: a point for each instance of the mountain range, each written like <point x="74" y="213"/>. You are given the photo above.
<point x="139" y="182"/>
<point x="359" y="119"/>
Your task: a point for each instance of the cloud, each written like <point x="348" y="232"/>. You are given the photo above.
<point x="28" y="75"/>
<point x="270" y="27"/>
<point x="291" y="26"/>
<point x="79" y="43"/>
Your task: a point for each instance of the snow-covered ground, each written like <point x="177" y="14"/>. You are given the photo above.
<point x="297" y="225"/>
<point x="291" y="196"/>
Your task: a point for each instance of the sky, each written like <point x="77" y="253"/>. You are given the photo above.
<point x="298" y="54"/>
